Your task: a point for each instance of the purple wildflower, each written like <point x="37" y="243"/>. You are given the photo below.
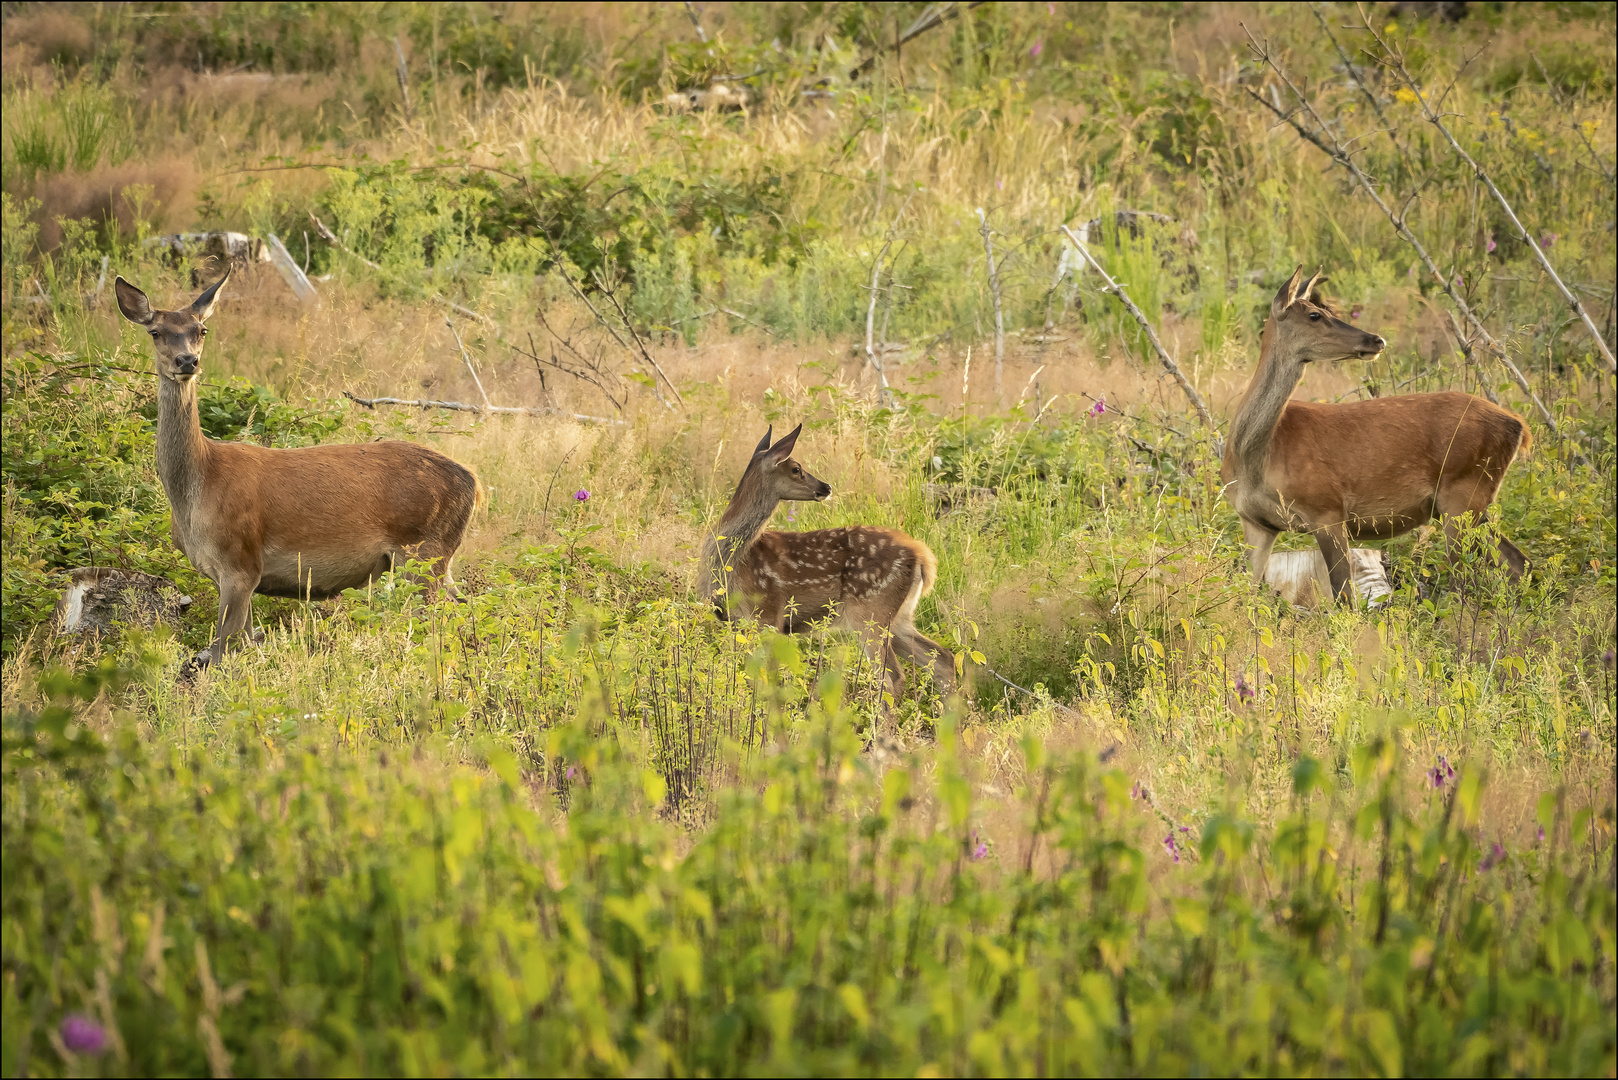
<point x="1356" y="312"/>
<point x="1441" y="772"/>
<point x="581" y="495"/>
<point x="1608" y="657"/>
<point x="1494" y="858"/>
<point x="1039" y="47"/>
<point x="1492" y="244"/>
<point x="82" y="1035"/>
<point x="572" y="771"/>
<point x="1171" y="847"/>
<point x="1546" y="240"/>
<point x="1099" y="407"/>
<point x="1541" y="838"/>
<point x="1000" y="185"/>
<point x="1134" y="792"/>
<point x="1244" y="692"/>
<point x="1050" y="9"/>
<point x="980" y="847"/>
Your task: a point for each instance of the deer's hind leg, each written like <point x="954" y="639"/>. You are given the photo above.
<point x="439" y="576"/>
<point x="1260" y="541"/>
<point x="1474" y="495"/>
<point x="917" y="647"/>
<point x="877" y="638"/>
<point x="1334" y="545"/>
<point x="923" y="651"/>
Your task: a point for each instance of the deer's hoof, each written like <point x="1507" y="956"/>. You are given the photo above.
<point x="192" y="667"/>
<point x="256" y="636"/>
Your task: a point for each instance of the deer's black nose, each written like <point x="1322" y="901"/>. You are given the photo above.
<point x="185" y="365"/>
<point x="823" y="491"/>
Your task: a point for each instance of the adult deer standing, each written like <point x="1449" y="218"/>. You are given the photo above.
<point x="307" y="522"/>
<point x="868" y="579"/>
<point x="1359" y="470"/>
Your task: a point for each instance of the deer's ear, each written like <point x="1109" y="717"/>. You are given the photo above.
<point x="1289" y="292"/>
<point x="1308" y="292"/>
<point x="764" y="443"/>
<point x="203" y="306"/>
<point x="783" y="449"/>
<point x="132" y="302"/>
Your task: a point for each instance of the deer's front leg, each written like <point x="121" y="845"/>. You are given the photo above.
<point x="235" y="607"/>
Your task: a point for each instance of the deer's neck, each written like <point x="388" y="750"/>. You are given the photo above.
<point x="182" y="452"/>
<point x="749" y="511"/>
<point x="1253" y="427"/>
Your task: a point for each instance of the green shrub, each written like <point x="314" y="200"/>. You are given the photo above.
<point x="284" y="906"/>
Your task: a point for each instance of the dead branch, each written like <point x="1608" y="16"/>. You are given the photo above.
<point x="1169" y="365"/>
<point x="577" y="365"/>
<point x="468" y="358"/>
<point x="1398" y="63"/>
<point x="934" y="15"/>
<point x="607" y="325"/>
<point x="994" y="292"/>
<point x="696" y="21"/>
<point x="1577" y="128"/>
<point x="461" y="406"/>
<point x="639" y="344"/>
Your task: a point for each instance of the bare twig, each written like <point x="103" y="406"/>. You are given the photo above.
<point x="468" y="358"/>
<point x="745" y="319"/>
<point x="994" y="291"/>
<point x="696" y="21"/>
<point x="1397" y="61"/>
<point x="461" y="406"/>
<point x="1169" y="365"/>
<point x="404" y="78"/>
<point x="871" y="356"/>
<point x="602" y="319"/>
<point x="933" y="15"/>
<point x="639" y="344"/>
<point x="1337" y="153"/>
<point x="1577" y="127"/>
<point x="1351" y="68"/>
<point x="581" y="367"/>
<point x="884" y="392"/>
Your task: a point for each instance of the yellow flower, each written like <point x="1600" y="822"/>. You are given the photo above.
<point x="1405" y="94"/>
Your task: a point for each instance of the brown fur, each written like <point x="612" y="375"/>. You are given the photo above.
<point x="866" y="579"/>
<point x="307" y="522"/>
<point x="1360" y="470"/>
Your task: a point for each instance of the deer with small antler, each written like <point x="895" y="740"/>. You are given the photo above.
<point x="867" y="579"/>
<point x="1357" y="470"/>
<point x="304" y="523"/>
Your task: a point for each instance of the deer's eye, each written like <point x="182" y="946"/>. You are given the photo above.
<point x="1314" y="316"/>
<point x="204" y="331"/>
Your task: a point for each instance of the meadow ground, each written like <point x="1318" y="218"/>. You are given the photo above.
<point x="1172" y="825"/>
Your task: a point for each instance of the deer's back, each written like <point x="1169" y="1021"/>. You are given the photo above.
<point x="849" y="563"/>
<point x="1386" y="440"/>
